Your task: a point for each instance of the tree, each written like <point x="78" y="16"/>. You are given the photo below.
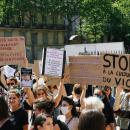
<point x="94" y="18"/>
<point x="23" y="13"/>
<point x="109" y="19"/>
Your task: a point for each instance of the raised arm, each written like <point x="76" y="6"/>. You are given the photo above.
<point x="59" y="95"/>
<point x="84" y="87"/>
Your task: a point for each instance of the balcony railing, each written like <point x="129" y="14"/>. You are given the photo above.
<point x="36" y="26"/>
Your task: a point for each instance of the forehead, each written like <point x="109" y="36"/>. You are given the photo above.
<point x="12" y="95"/>
<point x="107" y="88"/>
<point x="49" y="119"/>
<point x="40" y="91"/>
<point x="10" y="80"/>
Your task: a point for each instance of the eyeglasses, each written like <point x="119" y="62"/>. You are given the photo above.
<point x="10" y="84"/>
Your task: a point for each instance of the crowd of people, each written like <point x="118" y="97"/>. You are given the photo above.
<point x="50" y="107"/>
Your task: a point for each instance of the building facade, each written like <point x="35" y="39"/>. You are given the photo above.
<point x="42" y="33"/>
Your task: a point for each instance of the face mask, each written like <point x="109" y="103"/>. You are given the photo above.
<point x="64" y="110"/>
<point x="55" y="92"/>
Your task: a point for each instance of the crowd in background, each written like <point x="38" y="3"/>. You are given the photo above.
<point x="52" y="107"/>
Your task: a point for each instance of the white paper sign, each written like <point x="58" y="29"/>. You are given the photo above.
<point x="54" y="62"/>
<point x="8" y="71"/>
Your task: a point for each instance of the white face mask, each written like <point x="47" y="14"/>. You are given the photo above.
<point x="64" y="110"/>
<point x="55" y="92"/>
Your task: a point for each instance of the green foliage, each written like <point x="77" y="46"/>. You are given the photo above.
<point x="15" y="9"/>
<point x="105" y="18"/>
<point x="94" y="18"/>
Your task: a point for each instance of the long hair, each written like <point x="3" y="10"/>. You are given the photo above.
<point x="3" y="109"/>
<point x="71" y="102"/>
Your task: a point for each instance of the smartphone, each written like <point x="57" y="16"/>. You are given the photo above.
<point x="26" y="77"/>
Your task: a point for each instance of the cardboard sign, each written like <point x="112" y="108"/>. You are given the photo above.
<point x="37" y="67"/>
<point x="12" y="50"/>
<point x="52" y="80"/>
<point x="85" y="69"/>
<point x="116" y="70"/>
<point x="53" y="62"/>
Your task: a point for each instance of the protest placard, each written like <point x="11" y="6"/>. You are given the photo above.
<point x="37" y="67"/>
<point x="53" y="62"/>
<point x="116" y="70"/>
<point x="12" y="50"/>
<point x="85" y="69"/>
<point x="26" y="77"/>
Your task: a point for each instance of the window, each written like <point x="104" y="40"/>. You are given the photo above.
<point x="34" y="38"/>
<point x="8" y="34"/>
<point x="55" y="37"/>
<point x="45" y="38"/>
<point x="24" y="35"/>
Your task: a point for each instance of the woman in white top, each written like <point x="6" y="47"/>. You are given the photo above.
<point x="70" y="115"/>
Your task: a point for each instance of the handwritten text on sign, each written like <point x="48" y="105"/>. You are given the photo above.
<point x="85" y="69"/>
<point x="54" y="62"/>
<point x="12" y="50"/>
<point x="116" y="69"/>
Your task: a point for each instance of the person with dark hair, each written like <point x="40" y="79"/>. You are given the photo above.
<point x="11" y="82"/>
<point x="111" y="99"/>
<point x="47" y="107"/>
<point x="44" y="106"/>
<point x="78" y="94"/>
<point x="70" y="114"/>
<point x="5" y="122"/>
<point x="43" y="122"/>
<point x="91" y="120"/>
<point x="108" y="110"/>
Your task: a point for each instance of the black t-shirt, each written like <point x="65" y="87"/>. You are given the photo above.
<point x="62" y="125"/>
<point x="26" y="106"/>
<point x="19" y="118"/>
<point x="8" y="125"/>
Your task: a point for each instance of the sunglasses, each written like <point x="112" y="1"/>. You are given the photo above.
<point x="10" y="84"/>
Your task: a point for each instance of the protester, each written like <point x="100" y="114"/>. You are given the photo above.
<point x="108" y="110"/>
<point x="11" y="82"/>
<point x="93" y="103"/>
<point x="111" y="99"/>
<point x="53" y="89"/>
<point x="91" y="120"/>
<point x="43" y="122"/>
<point x="70" y="115"/>
<point x="5" y="122"/>
<point x="78" y="94"/>
<point x="123" y="113"/>
<point x="18" y="115"/>
<point x="47" y="107"/>
<point x="41" y="91"/>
